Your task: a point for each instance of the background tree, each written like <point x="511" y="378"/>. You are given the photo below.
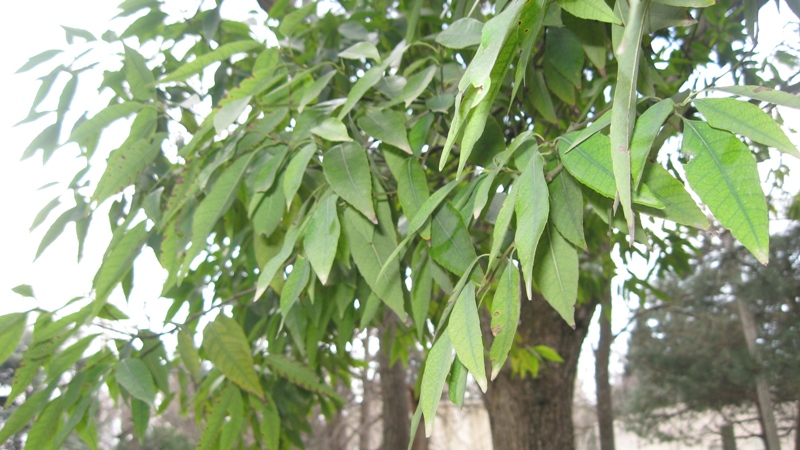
<point x="688" y="354"/>
<point x="432" y="159"/>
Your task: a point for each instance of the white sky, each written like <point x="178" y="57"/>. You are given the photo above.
<point x="28" y="28"/>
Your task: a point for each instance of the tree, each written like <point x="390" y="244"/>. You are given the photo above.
<point x="690" y="355"/>
<point x="439" y="160"/>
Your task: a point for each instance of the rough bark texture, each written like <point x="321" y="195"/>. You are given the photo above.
<point x="728" y="437"/>
<point x="536" y="413"/>
<point x="366" y="402"/>
<point x="605" y="407"/>
<point x="396" y="406"/>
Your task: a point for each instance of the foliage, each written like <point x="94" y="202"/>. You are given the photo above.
<point x="689" y="355"/>
<point x="293" y="191"/>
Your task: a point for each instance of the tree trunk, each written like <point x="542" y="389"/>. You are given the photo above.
<point x="728" y="437"/>
<point x="536" y="413"/>
<point x="365" y="427"/>
<point x="394" y="392"/>
<point x="605" y="407"/>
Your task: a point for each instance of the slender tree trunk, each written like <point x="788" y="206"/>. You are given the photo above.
<point x="765" y="405"/>
<point x="728" y="437"/>
<point x="605" y="407"/>
<point x="366" y="403"/>
<point x="394" y="392"/>
<point x="797" y="428"/>
<point x="536" y="413"/>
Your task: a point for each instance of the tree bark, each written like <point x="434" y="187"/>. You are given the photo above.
<point x="364" y="427"/>
<point x="728" y="437"/>
<point x="605" y="407"/>
<point x="394" y="393"/>
<point x="536" y="413"/>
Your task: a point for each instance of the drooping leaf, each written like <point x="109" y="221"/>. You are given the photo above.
<point x="437" y="366"/>
<point x="124" y="167"/>
<point x="118" y="261"/>
<point x="223" y="52"/>
<point x="214" y="206"/>
<point x="465" y="332"/>
<point x="347" y="171"/>
<point x="295" y="284"/>
<point x="12" y="327"/>
<point x="300" y="375"/>
<point x="747" y="119"/>
<point x="457" y="386"/>
<point x="139" y="77"/>
<point x="623" y="113"/>
<point x="133" y="375"/>
<point x="421" y="286"/>
<point x="723" y="173"/>
<point x="564" y="51"/>
<point x="417" y="84"/>
<point x="189" y="354"/>
<point x="313" y="91"/>
<point x="231" y="428"/>
<point x="40" y="58"/>
<point x="276" y="263"/>
<point x="566" y="208"/>
<point x="23" y="414"/>
<point x="412" y="187"/>
<point x="556" y="274"/>
<point x="214" y="421"/>
<point x="501" y="226"/>
<point x="387" y="126"/>
<point x="505" y="317"/>
<point x="532" y="206"/>
<point x="227" y="348"/>
<point x="322" y="237"/>
<point x="229" y="112"/>
<point x="451" y="245"/>
<point x="295" y="171"/>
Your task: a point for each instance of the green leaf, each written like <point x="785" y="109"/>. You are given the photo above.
<point x="313" y="91"/>
<point x="679" y="206"/>
<point x="332" y="129"/>
<point x="24" y="413"/>
<point x="361" y="50"/>
<point x="370" y="79"/>
<point x="293" y="176"/>
<point x="501" y="226"/>
<point x="723" y="173"/>
<point x="532" y="207"/>
<point x="763" y="94"/>
<point x="505" y="317"/>
<point x="290" y="23"/>
<point x="556" y="274"/>
<point x="276" y="263"/>
<point x="124" y="166"/>
<point x="747" y="119"/>
<point x="548" y="353"/>
<point x="464" y="329"/>
<point x="590" y="162"/>
<point x="591" y="10"/>
<point x="12" y="327"/>
<point x="623" y="113"/>
<point x="412" y="187"/>
<point x="42" y="215"/>
<point x="437" y="366"/>
<point x="565" y="52"/>
<point x="268" y="172"/>
<point x="24" y="290"/>
<point x="229" y="112"/>
<point x="133" y="375"/>
<point x="40" y="58"/>
<point x="41" y="433"/>
<point x="223" y="52"/>
<point x="270" y="424"/>
<point x="421" y="286"/>
<point x="347" y="171"/>
<point x="189" y="354"/>
<point x="687" y="3"/>
<point x="300" y="375"/>
<point x="322" y="237"/>
<point x="566" y="208"/>
<point x="295" y="285"/>
<point x="417" y="84"/>
<point x="140" y="78"/>
<point x="214" y="206"/>
<point x="387" y="126"/>
<point x="460" y="34"/>
<point x="92" y="127"/>
<point x="119" y="261"/>
<point x="140" y="413"/>
<point x="647" y="128"/>
<point x="451" y="245"/>
<point x="372" y="257"/>
<point x="215" y="420"/>
<point x="66" y="359"/>
<point x="231" y="428"/>
<point x="227" y="348"/>
<point x="457" y="386"/>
